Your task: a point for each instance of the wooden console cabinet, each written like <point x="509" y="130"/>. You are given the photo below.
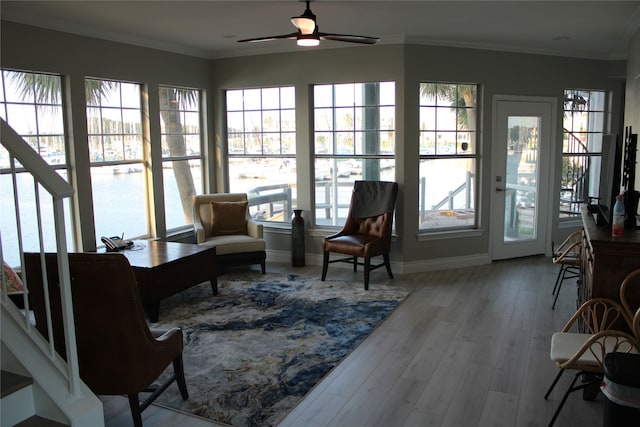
<point x="606" y="261"/>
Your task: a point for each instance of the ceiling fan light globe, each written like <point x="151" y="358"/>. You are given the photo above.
<point x="305" y="25"/>
<point x="307" y="41"/>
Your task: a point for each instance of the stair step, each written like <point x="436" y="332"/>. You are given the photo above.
<point x="37" y="421"/>
<point x="13" y="382"/>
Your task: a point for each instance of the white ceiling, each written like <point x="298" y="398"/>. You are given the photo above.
<point x="211" y="28"/>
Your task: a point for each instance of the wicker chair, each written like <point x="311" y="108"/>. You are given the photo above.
<point x="608" y="325"/>
<point x="568" y="257"/>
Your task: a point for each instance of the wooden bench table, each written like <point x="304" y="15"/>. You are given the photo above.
<point x="163" y="269"/>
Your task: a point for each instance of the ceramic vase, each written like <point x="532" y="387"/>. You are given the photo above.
<point x="297" y="239"/>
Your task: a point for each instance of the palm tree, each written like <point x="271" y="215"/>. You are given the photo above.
<point x="46" y="89"/>
<point x="458" y="96"/>
<point x="170" y="100"/>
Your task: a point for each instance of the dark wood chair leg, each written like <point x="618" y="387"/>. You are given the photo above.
<point x="325" y="266"/>
<point x="355" y="264"/>
<point x="387" y="264"/>
<point x="134" y="404"/>
<point x="367" y="269"/>
<point x="178" y="369"/>
<point x="214" y="285"/>
<point x="263" y="266"/>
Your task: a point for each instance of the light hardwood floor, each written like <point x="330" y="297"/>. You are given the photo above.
<point x="469" y="347"/>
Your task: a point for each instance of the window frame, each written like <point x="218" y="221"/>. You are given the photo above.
<point x="195" y="160"/>
<point x="58" y="160"/>
<point x="336" y="201"/>
<point x="576" y="103"/>
<point x="459" y="153"/>
<point x="267" y="203"/>
<point x="127" y="165"/>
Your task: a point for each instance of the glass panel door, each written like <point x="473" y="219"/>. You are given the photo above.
<point x="522" y="170"/>
<point x="521" y="184"/>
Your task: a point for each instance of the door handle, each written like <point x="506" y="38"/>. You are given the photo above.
<point x="499" y="189"/>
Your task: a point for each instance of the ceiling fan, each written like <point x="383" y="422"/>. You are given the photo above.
<point x="308" y="34"/>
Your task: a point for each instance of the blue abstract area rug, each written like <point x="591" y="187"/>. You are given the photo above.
<point x="252" y="352"/>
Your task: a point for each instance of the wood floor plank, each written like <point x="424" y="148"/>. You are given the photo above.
<point x="468" y="403"/>
<point x="435" y="345"/>
<point x="419" y="419"/>
<point x="373" y="391"/>
<point x="361" y="365"/>
<point x="533" y="409"/>
<point x="510" y="368"/>
<point x="395" y="409"/>
<point x="321" y="413"/>
<point x="446" y="379"/>
<point x="499" y="410"/>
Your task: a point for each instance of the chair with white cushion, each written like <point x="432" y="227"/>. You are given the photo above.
<point x="222" y="220"/>
<point x="607" y="325"/>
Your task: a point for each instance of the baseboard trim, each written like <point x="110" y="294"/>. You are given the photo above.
<point x="397" y="267"/>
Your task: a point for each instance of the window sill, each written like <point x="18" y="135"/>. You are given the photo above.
<point x="450" y="234"/>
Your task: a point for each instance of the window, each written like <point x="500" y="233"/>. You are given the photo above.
<point x="261" y="141"/>
<point x="448" y="156"/>
<point x="181" y="153"/>
<point x="114" y="124"/>
<point x="354" y="139"/>
<point x="31" y="103"/>
<point x="584" y="123"/>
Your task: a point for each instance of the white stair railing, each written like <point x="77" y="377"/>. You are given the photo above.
<point x="76" y="401"/>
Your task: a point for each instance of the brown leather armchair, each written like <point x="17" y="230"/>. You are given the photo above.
<point x="367" y="230"/>
<point x="117" y="352"/>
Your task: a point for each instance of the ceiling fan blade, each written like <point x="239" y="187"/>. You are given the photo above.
<point x="349" y="38"/>
<point x="308" y="35"/>
<point x="270" y="38"/>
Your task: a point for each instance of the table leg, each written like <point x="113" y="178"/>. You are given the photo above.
<point x="153" y="311"/>
<point x="214" y="285"/>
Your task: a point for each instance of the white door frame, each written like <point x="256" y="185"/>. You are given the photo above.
<point x="545" y="191"/>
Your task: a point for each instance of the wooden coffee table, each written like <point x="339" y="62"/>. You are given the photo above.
<point x="163" y="269"/>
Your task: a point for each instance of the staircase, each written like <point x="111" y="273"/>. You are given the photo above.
<point x="18" y="405"/>
<point x="38" y="386"/>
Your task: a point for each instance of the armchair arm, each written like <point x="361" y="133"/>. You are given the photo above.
<point x="164" y="334"/>
<point x="597" y="346"/>
<point x="254" y="229"/>
<point x="572" y="251"/>
<point x="599" y="314"/>
<point x="349" y="228"/>
<point x="334" y="235"/>
<point x="199" y="230"/>
<point x="573" y="238"/>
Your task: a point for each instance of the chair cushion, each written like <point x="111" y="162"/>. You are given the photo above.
<point x="564" y="345"/>
<point x="14" y="284"/>
<point x="228" y="218"/>
<point x="234" y="244"/>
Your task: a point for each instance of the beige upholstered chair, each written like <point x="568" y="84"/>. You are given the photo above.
<point x="222" y="220"/>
